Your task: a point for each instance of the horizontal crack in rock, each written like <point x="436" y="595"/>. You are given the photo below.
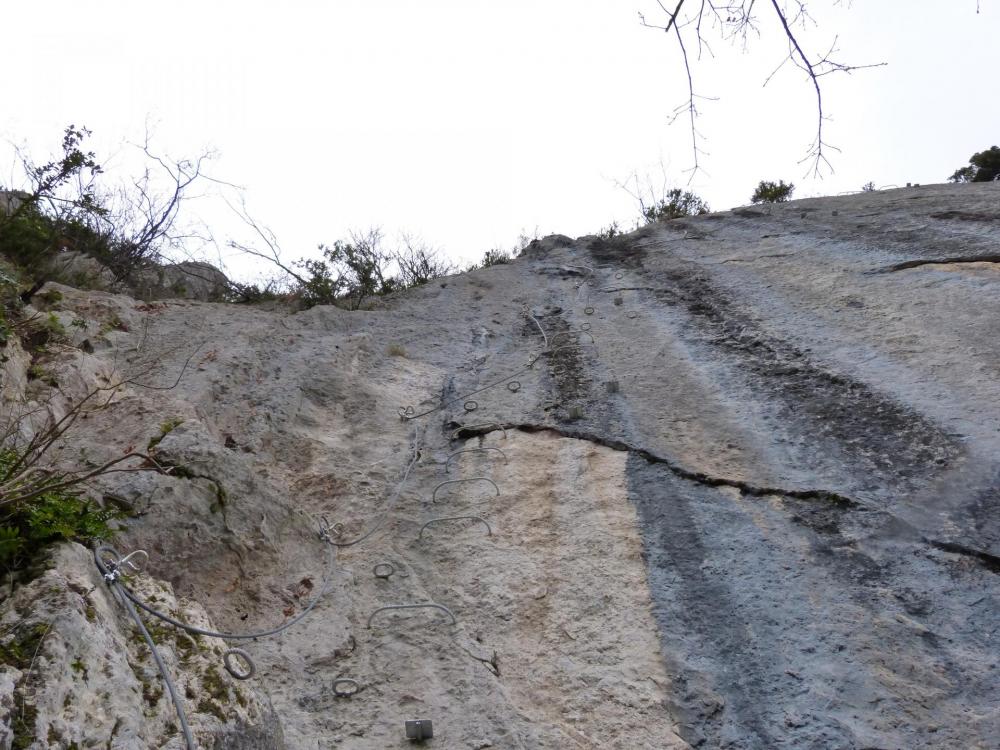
<point x="693" y="476"/>
<point x="988" y="560"/>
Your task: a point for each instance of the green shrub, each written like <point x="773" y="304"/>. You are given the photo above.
<point x="495" y="257"/>
<point x="983" y="167"/>
<point x="772" y="192"/>
<point x="676" y="204"/>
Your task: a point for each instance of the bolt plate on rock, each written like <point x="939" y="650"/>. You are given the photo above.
<point x="421" y="729"/>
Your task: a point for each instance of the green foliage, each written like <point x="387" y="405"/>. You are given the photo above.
<point x="253" y="293"/>
<point x="352" y="271"/>
<point x="676" y="204"/>
<point x="165" y="429"/>
<point x="868" y="187"/>
<point x="984" y="166"/>
<point x="55" y="328"/>
<point x="55" y="515"/>
<point x="772" y="192"/>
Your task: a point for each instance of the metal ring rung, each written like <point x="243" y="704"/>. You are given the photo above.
<point x="412" y="606"/>
<point x="227" y="662"/>
<point x="381" y="567"/>
<point x="470" y="405"/>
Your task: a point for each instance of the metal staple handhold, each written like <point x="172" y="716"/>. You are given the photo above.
<point x="473" y="450"/>
<point x="514" y="386"/>
<point x="632" y="314"/>
<point x="353" y="687"/>
<point x="454" y="434"/>
<point x="461" y="481"/>
<point x="585" y="326"/>
<point x="588" y="311"/>
<point x="412" y="606"/>
<point x="235" y="671"/>
<point x="470" y="405"/>
<point x="483" y="521"/>
<point x="380" y="567"/>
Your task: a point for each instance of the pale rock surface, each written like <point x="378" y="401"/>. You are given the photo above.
<point x="754" y="506"/>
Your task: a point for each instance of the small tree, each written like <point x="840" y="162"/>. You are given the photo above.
<point x="59" y="205"/>
<point x="674" y="205"/>
<point x="495" y="257"/>
<point x="983" y="167"/>
<point x="419" y="264"/>
<point x="868" y="187"/>
<point x="772" y="192"/>
<point x="360" y="265"/>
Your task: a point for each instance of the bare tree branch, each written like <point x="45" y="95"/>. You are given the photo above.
<point x="734" y="21"/>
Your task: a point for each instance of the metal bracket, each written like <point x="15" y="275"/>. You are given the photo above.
<point x="327" y="532"/>
<point x="116" y="567"/>
<point x="420" y="729"/>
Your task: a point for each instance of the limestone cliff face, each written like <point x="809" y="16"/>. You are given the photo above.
<point x="748" y="498"/>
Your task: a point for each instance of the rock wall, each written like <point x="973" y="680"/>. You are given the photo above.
<point x="747" y="483"/>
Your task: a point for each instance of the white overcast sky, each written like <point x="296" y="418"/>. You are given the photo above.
<point x="465" y="123"/>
